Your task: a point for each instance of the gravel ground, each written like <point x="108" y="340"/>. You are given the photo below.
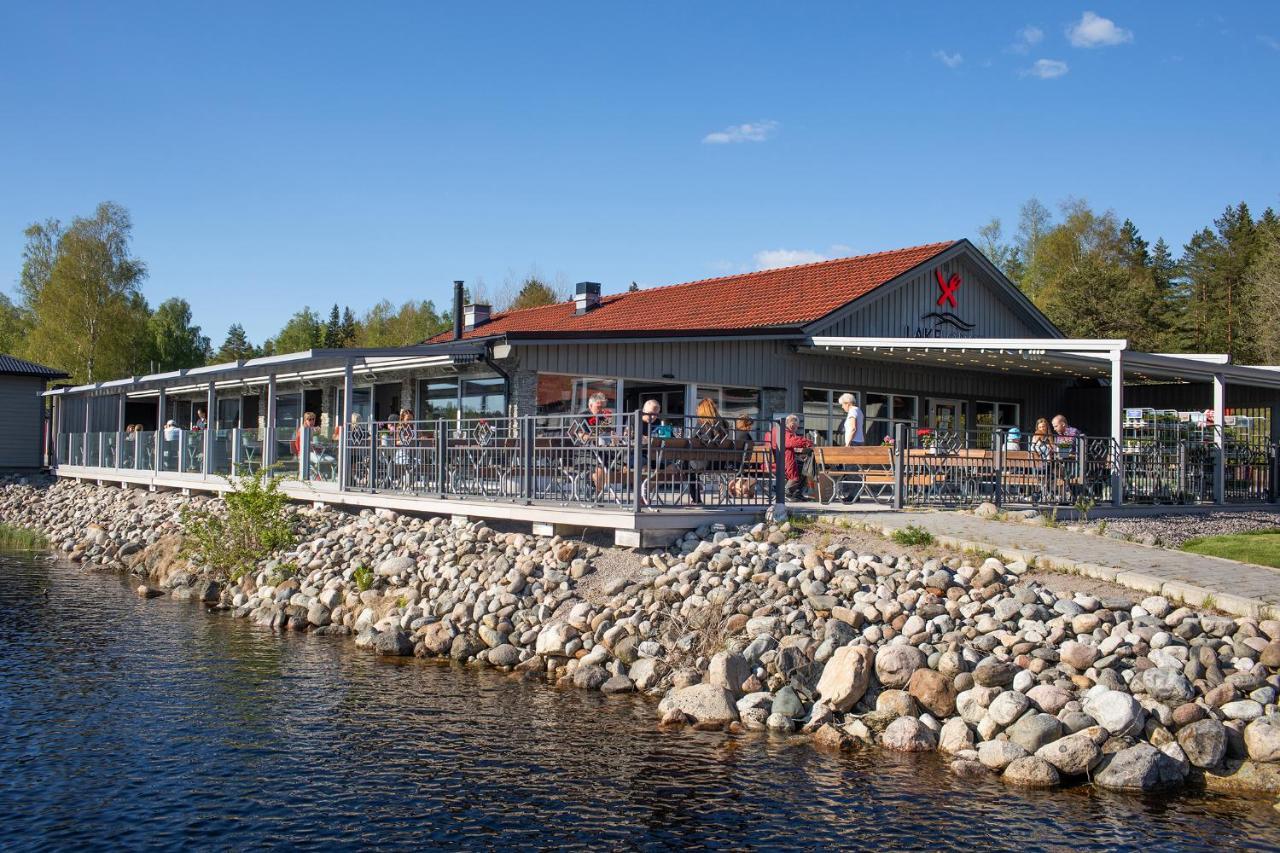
<point x="1173" y="530"/>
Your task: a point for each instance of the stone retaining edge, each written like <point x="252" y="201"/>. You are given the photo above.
<point x="1187" y="593"/>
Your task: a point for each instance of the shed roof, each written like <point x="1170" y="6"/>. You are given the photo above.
<point x="788" y="297"/>
<point x="14" y="366"/>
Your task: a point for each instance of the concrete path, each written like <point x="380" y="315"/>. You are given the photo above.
<point x="1241" y="589"/>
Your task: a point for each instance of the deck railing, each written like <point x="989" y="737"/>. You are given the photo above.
<point x="613" y="461"/>
<point x="964" y="468"/>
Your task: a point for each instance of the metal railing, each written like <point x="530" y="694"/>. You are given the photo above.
<point x="607" y="460"/>
<point x="638" y="464"/>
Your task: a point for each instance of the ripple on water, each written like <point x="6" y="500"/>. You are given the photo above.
<point x="128" y="723"/>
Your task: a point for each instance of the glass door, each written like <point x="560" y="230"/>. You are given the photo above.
<point x="947" y="415"/>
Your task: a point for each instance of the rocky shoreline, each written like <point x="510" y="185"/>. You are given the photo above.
<point x="753" y="629"/>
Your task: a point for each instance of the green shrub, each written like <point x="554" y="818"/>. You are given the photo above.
<point x="21" y="539"/>
<point x="912" y="534"/>
<point x="363" y="577"/>
<point x="255" y="524"/>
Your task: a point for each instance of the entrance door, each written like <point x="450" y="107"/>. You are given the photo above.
<point x="947" y="415"/>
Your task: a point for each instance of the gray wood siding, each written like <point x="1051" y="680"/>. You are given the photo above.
<point x="22" y="438"/>
<point x="895" y="310"/>
<point x="775" y="364"/>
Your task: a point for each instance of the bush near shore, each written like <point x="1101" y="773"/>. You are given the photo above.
<point x="755" y="629"/>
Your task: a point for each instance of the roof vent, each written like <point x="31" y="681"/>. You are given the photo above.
<point x="475" y="315"/>
<point x="587" y="296"/>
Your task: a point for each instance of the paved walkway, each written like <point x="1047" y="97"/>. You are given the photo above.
<point x="1241" y="589"/>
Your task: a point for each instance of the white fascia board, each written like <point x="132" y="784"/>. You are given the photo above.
<point x="1013" y="344"/>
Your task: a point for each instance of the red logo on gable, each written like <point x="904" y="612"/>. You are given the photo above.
<point x="948" y="288"/>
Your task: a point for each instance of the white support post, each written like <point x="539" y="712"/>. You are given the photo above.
<point x="206" y="467"/>
<point x="1117" y="427"/>
<point x="158" y="463"/>
<point x="348" y="389"/>
<point x="1219" y="462"/>
<point x="269" y="433"/>
<point x="119" y="458"/>
<point x="84" y="439"/>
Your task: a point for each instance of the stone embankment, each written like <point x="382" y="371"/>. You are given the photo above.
<point x="755" y="629"/>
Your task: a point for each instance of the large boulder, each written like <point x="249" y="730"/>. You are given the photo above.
<point x="1049" y="697"/>
<point x="1204" y="742"/>
<point x="394" y="642"/>
<point x="993" y="672"/>
<point x="1262" y="740"/>
<point x="395" y="566"/>
<point x="907" y="734"/>
<point x="846" y="677"/>
<point x="935" y="692"/>
<point x="1167" y="685"/>
<point x="437" y="639"/>
<point x="504" y="655"/>
<point x="896" y="663"/>
<point x="705" y="703"/>
<point x="1074" y="754"/>
<point x="956" y="736"/>
<point x="999" y="754"/>
<point x="1079" y="656"/>
<point x="1244" y="777"/>
<point x="1116" y="711"/>
<point x="553" y="638"/>
<point x="729" y="670"/>
<point x="1033" y="731"/>
<point x="1031" y="772"/>
<point x="1141" y="767"/>
<point x="590" y="677"/>
<point x="1007" y="707"/>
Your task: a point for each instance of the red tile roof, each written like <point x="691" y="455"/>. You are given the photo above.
<point x="785" y="297"/>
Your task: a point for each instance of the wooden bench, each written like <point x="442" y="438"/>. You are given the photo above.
<point x="866" y="470"/>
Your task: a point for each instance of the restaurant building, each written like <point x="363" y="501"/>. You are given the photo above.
<point x="932" y="337"/>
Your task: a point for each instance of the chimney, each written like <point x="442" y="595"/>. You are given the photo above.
<point x="457" y="310"/>
<point x="587" y="296"/>
<point x="476" y="315"/>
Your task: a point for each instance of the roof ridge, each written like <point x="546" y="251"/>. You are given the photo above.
<point x="613" y="297"/>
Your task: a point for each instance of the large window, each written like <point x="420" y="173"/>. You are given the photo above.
<point x="445" y="398"/>
<point x="823" y="416"/>
<point x="568" y="395"/>
<point x="733" y="403"/>
<point x="885" y="411"/>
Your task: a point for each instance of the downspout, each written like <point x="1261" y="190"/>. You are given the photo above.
<point x="506" y="377"/>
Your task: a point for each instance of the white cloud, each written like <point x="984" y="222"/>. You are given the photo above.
<point x="1046" y="69"/>
<point x="951" y="60"/>
<point x="770" y="258"/>
<point x="1096" y="31"/>
<point x="1028" y="37"/>
<point x="757" y="131"/>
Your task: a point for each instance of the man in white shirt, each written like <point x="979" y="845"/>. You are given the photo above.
<point x="853" y="432"/>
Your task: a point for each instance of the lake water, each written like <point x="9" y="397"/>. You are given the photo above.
<point x="127" y="723"/>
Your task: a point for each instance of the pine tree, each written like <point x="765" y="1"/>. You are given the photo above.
<point x="349" y="327"/>
<point x="332" y="338"/>
<point x="633" y="288"/>
<point x="235" y="347"/>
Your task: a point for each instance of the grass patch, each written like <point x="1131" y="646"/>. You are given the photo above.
<point x="1261" y="547"/>
<point x="21" y="539"/>
<point x="912" y="534"/>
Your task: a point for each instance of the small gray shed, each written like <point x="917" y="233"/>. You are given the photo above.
<point x="22" y="431"/>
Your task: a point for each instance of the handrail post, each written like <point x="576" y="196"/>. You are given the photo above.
<point x="182" y="450"/>
<point x="442" y="448"/>
<point x="637" y="503"/>
<point x="344" y="445"/>
<point x="525" y="427"/>
<point x="779" y="464"/>
<point x="372" y="485"/>
<point x="899" y="464"/>
<point x="234" y="438"/>
<point x="304" y="455"/>
<point x="210" y="406"/>
<point x="1000" y="437"/>
<point x="84" y="439"/>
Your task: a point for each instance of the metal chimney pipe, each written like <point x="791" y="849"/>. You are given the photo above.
<point x="457" y="310"/>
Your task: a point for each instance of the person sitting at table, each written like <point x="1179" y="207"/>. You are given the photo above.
<point x="201" y="422"/>
<point x="1064" y="435"/>
<point x="796" y="446"/>
<point x="171" y="431"/>
<point x="595" y="421"/>
<point x="1041" y="439"/>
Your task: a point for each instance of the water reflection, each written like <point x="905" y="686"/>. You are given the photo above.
<point x="136" y="723"/>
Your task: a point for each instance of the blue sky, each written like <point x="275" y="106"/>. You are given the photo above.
<point x="278" y="155"/>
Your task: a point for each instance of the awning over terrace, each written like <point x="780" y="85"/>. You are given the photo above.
<point x="290" y="367"/>
<point x="1109" y="361"/>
